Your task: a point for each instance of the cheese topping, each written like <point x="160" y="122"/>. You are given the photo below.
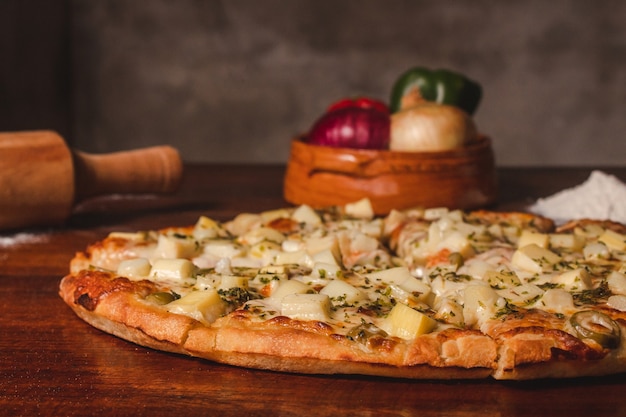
<point x="410" y="273"/>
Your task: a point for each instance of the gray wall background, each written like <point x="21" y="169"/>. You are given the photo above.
<point x="234" y="80"/>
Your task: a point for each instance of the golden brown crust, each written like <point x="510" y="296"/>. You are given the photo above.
<point x="607" y="224"/>
<point x="114" y="305"/>
<point x="520" y="219"/>
<point x="513" y="350"/>
<point x="288" y="348"/>
<point x="467" y="349"/>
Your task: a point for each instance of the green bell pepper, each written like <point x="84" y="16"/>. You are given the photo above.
<point x="439" y="86"/>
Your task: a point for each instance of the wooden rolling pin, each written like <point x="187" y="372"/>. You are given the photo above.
<point x="41" y="178"/>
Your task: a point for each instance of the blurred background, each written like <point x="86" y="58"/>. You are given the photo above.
<point x="234" y="80"/>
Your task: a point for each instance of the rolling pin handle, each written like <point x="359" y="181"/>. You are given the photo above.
<point x="156" y="169"/>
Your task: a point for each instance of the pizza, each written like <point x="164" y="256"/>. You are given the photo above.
<point x="419" y="293"/>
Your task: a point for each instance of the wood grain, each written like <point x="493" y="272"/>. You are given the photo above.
<point x="52" y="363"/>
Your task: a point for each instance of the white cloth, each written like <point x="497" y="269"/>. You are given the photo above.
<point x="601" y="196"/>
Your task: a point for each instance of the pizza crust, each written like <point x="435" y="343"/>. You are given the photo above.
<point x="281" y="344"/>
<point x="115" y="307"/>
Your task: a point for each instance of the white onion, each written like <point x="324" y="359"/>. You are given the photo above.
<point x="431" y="127"/>
<point x="618" y="302"/>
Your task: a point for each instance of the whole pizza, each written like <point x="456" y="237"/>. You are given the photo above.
<point x="419" y="293"/>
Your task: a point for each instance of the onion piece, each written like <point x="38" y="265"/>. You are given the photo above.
<point x="431" y="127"/>
<point x="352" y="127"/>
<point x="597" y="326"/>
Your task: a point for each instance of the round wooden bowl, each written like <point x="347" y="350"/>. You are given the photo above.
<point x="322" y="176"/>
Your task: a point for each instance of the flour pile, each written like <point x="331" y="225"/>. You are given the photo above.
<point x="601" y="196"/>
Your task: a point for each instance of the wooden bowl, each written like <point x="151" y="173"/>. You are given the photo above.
<point x="322" y="176"/>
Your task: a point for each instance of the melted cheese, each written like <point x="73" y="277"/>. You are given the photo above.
<point x="347" y="270"/>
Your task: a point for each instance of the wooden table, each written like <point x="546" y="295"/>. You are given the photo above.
<point x="52" y="363"/>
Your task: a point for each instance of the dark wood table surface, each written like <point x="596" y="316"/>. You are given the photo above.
<point x="52" y="363"/>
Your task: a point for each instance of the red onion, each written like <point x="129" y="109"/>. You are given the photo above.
<point x="362" y="102"/>
<point x="352" y="127"/>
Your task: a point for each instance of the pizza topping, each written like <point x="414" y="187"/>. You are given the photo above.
<point x="449" y="311"/>
<point x="501" y="279"/>
<point x="287" y="287"/>
<point x="177" y="270"/>
<point x="137" y="268"/>
<point x="574" y="280"/>
<point x="522" y="295"/>
<point x="307" y="215"/>
<point x="176" y="245"/>
<point x="235" y="296"/>
<point x="162" y="297"/>
<point x="204" y="306"/>
<point x="364" y="332"/>
<point x="596" y="251"/>
<point x="407" y="323"/>
<point x="342" y="294"/>
<point x="614" y="240"/>
<point x="261" y="234"/>
<point x="533" y="258"/>
<point x="597" y="326"/>
<point x="616" y="282"/>
<point x="566" y="242"/>
<point x="617" y="302"/>
<point x="411" y="273"/>
<point x="306" y="306"/>
<point x="532" y="237"/>
<point x="481" y="303"/>
<point x="207" y="228"/>
<point x="556" y="300"/>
